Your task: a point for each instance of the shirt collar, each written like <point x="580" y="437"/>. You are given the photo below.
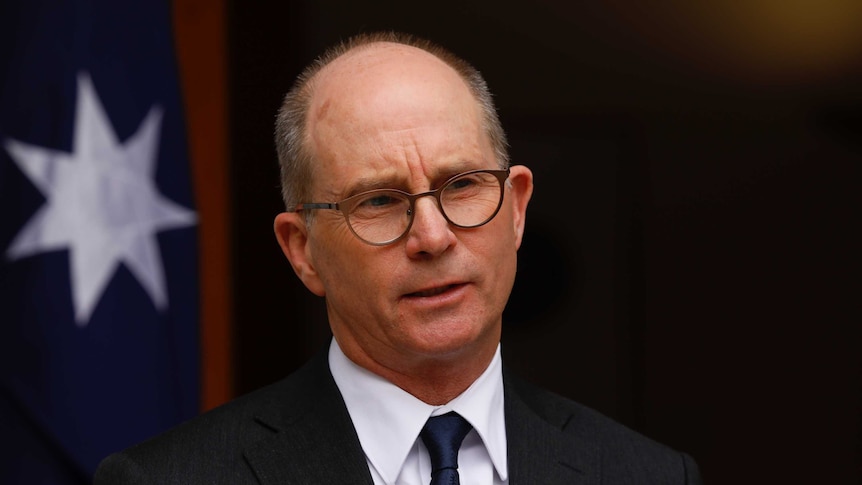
<point x="388" y="419"/>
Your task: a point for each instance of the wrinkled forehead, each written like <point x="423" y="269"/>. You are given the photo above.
<point x="385" y="90"/>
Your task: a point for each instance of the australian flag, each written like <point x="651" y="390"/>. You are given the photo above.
<point x="98" y="292"/>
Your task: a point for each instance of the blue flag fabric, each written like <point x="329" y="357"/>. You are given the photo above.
<point x="98" y="291"/>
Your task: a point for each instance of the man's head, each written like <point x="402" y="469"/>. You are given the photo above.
<point x="387" y="115"/>
<point x="297" y="162"/>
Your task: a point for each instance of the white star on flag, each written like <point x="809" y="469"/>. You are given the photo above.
<point x="102" y="204"/>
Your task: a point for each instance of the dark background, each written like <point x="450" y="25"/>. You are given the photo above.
<point x="691" y="262"/>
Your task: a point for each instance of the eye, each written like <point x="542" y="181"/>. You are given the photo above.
<point x="381" y="200"/>
<point x="462" y="183"/>
<point x="377" y="202"/>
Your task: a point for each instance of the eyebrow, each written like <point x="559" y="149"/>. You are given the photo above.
<point x="364" y="184"/>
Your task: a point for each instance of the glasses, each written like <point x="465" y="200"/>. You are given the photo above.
<point x="380" y="217"/>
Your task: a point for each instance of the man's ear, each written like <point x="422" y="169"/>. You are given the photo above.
<point x="292" y="235"/>
<point x="521" y="189"/>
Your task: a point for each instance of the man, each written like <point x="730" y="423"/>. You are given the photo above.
<point x="403" y="213"/>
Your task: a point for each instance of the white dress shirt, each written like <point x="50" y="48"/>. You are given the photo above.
<point x="388" y="421"/>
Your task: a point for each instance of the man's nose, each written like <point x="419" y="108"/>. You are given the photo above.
<point x="431" y="234"/>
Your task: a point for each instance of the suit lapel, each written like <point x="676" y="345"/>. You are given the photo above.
<point x="539" y="451"/>
<point x="310" y="438"/>
<point x="313" y="439"/>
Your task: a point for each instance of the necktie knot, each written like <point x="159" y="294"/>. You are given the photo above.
<point x="442" y="436"/>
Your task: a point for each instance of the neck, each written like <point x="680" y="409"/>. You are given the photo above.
<point x="433" y="380"/>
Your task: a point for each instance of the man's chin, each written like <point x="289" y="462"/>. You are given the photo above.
<point x="452" y="342"/>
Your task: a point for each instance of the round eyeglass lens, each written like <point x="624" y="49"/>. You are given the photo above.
<point x="471" y="199"/>
<point x="380" y="216"/>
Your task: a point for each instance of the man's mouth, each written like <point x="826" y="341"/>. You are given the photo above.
<point x="432" y="291"/>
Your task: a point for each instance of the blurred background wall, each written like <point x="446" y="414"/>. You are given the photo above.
<point x="691" y="263"/>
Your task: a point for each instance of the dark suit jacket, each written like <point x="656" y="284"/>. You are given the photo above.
<point x="298" y="431"/>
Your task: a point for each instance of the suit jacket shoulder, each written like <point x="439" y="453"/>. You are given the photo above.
<point x="296" y="431"/>
<point x="553" y="440"/>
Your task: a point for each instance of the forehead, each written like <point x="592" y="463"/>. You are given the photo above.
<point x="386" y="82"/>
<point x="383" y="64"/>
<point x="388" y="108"/>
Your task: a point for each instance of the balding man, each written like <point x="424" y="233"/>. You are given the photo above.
<point x="404" y="214"/>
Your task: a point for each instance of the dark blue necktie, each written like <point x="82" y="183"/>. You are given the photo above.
<point x="442" y="436"/>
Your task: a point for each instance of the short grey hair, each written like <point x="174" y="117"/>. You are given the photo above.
<point x="295" y="158"/>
